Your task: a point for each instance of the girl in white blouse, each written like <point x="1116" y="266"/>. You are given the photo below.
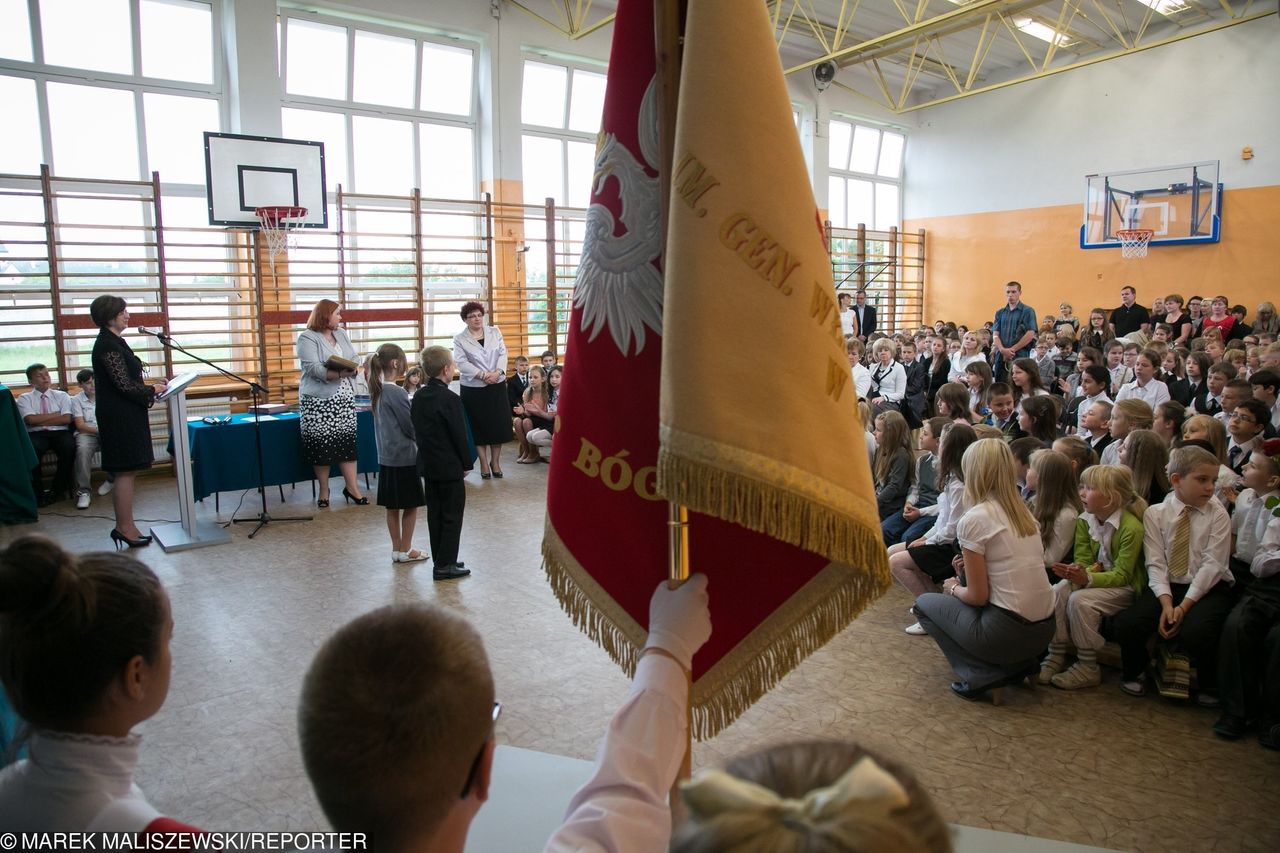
<point x="84" y="649"/>
<point x="1056" y="504"/>
<point x="994" y="621"/>
<point x="970" y="351"/>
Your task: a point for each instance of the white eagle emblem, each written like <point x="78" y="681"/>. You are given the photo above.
<point x="617" y="284"/>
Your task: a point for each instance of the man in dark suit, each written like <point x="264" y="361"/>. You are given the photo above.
<point x="866" y="315"/>
<point x="443" y="460"/>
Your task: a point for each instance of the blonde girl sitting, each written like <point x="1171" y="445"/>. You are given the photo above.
<point x="809" y="797"/>
<point x="1104" y="578"/>
<point x="532" y="414"/>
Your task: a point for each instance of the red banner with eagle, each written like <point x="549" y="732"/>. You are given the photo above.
<point x="759" y="437"/>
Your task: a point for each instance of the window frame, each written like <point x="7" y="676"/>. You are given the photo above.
<point x="848" y="175"/>
<point x="564" y="134"/>
<point x="349" y="107"/>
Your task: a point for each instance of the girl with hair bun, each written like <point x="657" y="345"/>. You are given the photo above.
<point x="84" y="657"/>
<point x="812" y="796"/>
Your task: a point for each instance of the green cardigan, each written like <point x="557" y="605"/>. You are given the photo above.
<point x="1127" y="566"/>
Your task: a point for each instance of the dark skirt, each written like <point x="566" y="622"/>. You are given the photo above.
<point x="400" y="487"/>
<point x="935" y="560"/>
<point x="489" y="413"/>
<point x="329" y="428"/>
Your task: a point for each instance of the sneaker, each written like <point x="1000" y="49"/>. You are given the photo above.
<point x="106" y="487"/>
<point x="1078" y="676"/>
<point x="82" y="499"/>
<point x="1230" y="727"/>
<point x="1208" y="700"/>
<point x="915" y="630"/>
<point x="1136" y="687"/>
<point x="1050" y="667"/>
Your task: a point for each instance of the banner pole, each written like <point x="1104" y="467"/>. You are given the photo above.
<point x="668" y="32"/>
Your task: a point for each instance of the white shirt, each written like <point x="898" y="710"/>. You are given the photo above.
<point x="58" y="402"/>
<point x="960" y="362"/>
<point x="1111" y="453"/>
<point x="1250" y="523"/>
<point x="1085" y="404"/>
<point x="83" y="407"/>
<point x="893" y="381"/>
<point x="624" y="805"/>
<point x="474" y="359"/>
<point x="1238" y="454"/>
<point x="861" y="381"/>
<point x="1275" y="416"/>
<point x="1062" y="540"/>
<point x="1015" y="564"/>
<point x="75" y="783"/>
<point x="846" y="322"/>
<point x="1101" y="532"/>
<point x="950" y="509"/>
<point x="1209" y="549"/>
<point x="1153" y="393"/>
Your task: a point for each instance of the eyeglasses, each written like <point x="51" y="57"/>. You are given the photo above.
<point x="475" y="765"/>
<point x="1240" y="416"/>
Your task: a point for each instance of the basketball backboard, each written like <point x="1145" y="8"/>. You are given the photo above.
<point x="1180" y="204"/>
<point x="243" y="173"/>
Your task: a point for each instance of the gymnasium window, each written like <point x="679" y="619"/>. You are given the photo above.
<point x="109" y="90"/>
<point x="560" y="109"/>
<point x="865" y="176"/>
<point x="395" y="109"/>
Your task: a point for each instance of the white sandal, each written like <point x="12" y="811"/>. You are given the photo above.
<point x="413" y="555"/>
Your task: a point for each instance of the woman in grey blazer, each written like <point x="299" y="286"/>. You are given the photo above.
<point x="327" y="401"/>
<point x="481" y="357"/>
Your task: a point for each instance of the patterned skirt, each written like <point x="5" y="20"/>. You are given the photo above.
<point x="329" y="427"/>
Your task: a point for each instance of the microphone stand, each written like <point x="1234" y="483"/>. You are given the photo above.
<point x="263" y="518"/>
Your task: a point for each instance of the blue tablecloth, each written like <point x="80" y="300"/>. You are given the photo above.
<point x="224" y="459"/>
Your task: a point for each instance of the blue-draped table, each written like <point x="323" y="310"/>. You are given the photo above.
<point x="224" y="458"/>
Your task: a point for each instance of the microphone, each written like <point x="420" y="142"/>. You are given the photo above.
<point x="159" y="333"/>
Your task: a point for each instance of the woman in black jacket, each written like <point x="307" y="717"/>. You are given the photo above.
<point x="124" y="423"/>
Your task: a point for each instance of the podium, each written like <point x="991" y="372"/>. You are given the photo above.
<point x="187" y="533"/>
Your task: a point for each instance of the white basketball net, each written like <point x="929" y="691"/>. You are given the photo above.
<point x="1134" y="242"/>
<point x="278" y="225"/>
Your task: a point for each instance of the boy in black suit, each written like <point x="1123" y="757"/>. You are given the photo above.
<point x="917" y="384"/>
<point x="443" y="460"/>
<point x="518" y="382"/>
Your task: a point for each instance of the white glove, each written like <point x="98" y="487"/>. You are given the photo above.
<point x="679" y="619"/>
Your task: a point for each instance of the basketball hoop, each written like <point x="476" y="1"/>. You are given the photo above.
<point x="1134" y="242"/>
<point x="276" y="225"/>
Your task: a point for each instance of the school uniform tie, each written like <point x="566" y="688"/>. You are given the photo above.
<point x="1180" y="554"/>
<point x="44" y="404"/>
<point x="1232" y="455"/>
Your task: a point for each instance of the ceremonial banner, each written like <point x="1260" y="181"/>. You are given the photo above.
<point x="757" y="431"/>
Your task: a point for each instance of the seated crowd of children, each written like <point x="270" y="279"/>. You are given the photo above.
<point x="1152" y="475"/>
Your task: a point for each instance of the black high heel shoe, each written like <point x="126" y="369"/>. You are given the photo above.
<point x="322" y="503"/>
<point x="358" y="501"/>
<point x="120" y="540"/>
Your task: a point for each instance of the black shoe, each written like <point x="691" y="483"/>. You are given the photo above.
<point x="964" y="691"/>
<point x="450" y="572"/>
<point x="119" y="539"/>
<point x="1270" y="737"/>
<point x="1230" y="727"/>
<point x="358" y="501"/>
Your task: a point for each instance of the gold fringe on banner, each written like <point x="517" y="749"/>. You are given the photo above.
<point x="593" y="611"/>
<point x="809" y="620"/>
<point x="807" y="521"/>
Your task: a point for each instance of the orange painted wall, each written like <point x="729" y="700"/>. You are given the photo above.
<point x="970" y="257"/>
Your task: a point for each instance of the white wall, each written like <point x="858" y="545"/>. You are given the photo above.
<point x="1031" y="145"/>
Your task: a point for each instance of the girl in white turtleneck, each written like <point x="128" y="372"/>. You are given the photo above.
<point x="84" y="657"/>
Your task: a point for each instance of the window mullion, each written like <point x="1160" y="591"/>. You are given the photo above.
<point x="351" y="64"/>
<point x="135" y="30"/>
<point x="36" y="33"/>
